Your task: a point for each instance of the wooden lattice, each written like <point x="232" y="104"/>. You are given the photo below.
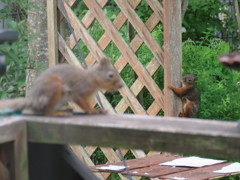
<point x="128" y="57"/>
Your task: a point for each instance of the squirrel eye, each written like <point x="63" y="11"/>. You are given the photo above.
<point x="110" y="75"/>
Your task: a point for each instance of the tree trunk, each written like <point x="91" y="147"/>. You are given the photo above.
<point x="38" y="44"/>
<point x="184" y="6"/>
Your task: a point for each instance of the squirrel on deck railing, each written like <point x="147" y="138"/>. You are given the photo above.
<point x="191" y="96"/>
<point x="63" y="83"/>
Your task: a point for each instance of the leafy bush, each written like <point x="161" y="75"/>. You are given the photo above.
<point x="218" y="84"/>
<point x="13" y="82"/>
<point x="203" y="16"/>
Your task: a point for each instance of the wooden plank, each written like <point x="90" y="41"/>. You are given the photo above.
<point x="7" y="166"/>
<point x="156" y="7"/>
<point x="52" y="32"/>
<point x="134" y="164"/>
<point x="172" y="55"/>
<point x="71" y="2"/>
<point x="141" y="29"/>
<point x="20" y="152"/>
<point x="9" y="129"/>
<point x="199" y="173"/>
<point x="13" y="130"/>
<point x="156" y="171"/>
<point x="4" y="172"/>
<point x="176" y="135"/>
<point x="126" y="51"/>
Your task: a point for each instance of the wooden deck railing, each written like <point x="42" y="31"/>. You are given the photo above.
<point x="207" y="138"/>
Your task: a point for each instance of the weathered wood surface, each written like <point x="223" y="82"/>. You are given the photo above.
<point x="199" y="173"/>
<point x="176" y="135"/>
<point x="150" y="167"/>
<point x="13" y="130"/>
<point x="52" y="32"/>
<point x="172" y="55"/>
<point x="139" y="163"/>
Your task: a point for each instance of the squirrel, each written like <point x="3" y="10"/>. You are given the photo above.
<point x="231" y="60"/>
<point x="63" y="83"/>
<point x="191" y="96"/>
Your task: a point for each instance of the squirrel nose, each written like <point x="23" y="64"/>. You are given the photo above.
<point x="120" y="85"/>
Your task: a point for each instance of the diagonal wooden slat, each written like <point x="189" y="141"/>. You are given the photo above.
<point x="87" y="20"/>
<point x="93" y="47"/>
<point x="118" y="22"/>
<point x="126" y="51"/>
<point x="71" y="2"/>
<point x="156" y="7"/>
<point x="152" y="66"/>
<point x="82" y="154"/>
<point x="141" y="29"/>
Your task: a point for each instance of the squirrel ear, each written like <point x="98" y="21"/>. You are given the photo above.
<point x="105" y="62"/>
<point x="196" y="78"/>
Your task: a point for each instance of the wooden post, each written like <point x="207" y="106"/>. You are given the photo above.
<point x="13" y="147"/>
<point x="172" y="55"/>
<point x="21" y="152"/>
<point x="52" y="32"/>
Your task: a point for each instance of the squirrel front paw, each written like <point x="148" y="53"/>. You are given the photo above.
<point x="99" y="111"/>
<point x="170" y="87"/>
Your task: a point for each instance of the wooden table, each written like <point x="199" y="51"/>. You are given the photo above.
<point x="149" y="167"/>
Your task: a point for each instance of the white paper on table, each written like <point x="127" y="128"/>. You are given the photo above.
<point x="192" y="161"/>
<point x="232" y="168"/>
<point x="112" y="167"/>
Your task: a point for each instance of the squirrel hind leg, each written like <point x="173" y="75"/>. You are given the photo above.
<point x="49" y="96"/>
<point x="190" y="110"/>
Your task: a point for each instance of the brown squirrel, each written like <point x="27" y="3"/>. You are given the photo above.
<point x="63" y="83"/>
<point x="191" y="96"/>
<point x="231" y="60"/>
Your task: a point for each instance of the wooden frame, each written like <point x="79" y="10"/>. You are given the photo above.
<point x="172" y="55"/>
<point x="52" y="32"/>
<point x="207" y="138"/>
<point x="14" y="131"/>
<point x="177" y="135"/>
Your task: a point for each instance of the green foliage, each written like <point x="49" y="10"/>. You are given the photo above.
<point x="218" y="84"/>
<point x="13" y="82"/>
<point x="203" y="16"/>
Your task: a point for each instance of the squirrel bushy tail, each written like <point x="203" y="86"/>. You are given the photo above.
<point x="14" y="105"/>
